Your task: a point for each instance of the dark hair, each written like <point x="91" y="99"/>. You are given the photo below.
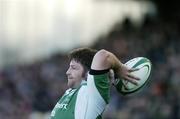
<point x="83" y="56"/>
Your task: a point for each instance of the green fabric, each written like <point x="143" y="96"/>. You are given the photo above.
<point x="99" y="117"/>
<point x="65" y="107"/>
<point x="102" y="84"/>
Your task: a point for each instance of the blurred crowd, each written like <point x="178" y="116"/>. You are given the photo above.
<point x="27" y="89"/>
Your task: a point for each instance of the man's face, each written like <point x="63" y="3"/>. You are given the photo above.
<point x="75" y="74"/>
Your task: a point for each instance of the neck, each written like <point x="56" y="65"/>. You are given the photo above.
<point x="78" y="84"/>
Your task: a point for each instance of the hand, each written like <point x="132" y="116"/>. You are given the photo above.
<point x="125" y="73"/>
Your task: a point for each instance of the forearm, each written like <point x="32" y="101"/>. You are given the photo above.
<point x="107" y="60"/>
<point x="114" y="62"/>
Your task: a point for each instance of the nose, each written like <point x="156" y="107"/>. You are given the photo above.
<point x="68" y="71"/>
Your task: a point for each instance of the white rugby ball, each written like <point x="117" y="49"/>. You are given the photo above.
<point x="144" y="66"/>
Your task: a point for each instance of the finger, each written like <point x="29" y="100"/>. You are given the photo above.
<point x="111" y="74"/>
<point x="133" y="69"/>
<point x="111" y="71"/>
<point x="131" y="80"/>
<point x="133" y="77"/>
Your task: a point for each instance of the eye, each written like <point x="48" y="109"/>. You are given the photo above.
<point x="73" y="67"/>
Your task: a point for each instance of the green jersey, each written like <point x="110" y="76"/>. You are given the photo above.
<point x="88" y="101"/>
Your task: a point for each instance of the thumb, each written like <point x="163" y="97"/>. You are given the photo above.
<point x="111" y="74"/>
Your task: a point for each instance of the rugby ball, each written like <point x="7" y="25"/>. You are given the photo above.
<point x="144" y="66"/>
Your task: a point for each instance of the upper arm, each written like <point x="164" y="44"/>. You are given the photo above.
<point x="100" y="60"/>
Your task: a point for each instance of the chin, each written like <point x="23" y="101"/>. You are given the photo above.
<point x="70" y="84"/>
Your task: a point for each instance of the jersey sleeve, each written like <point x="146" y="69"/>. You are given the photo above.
<point x="99" y="79"/>
<point x="97" y="93"/>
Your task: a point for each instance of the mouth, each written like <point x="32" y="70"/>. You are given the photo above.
<point x="70" y="78"/>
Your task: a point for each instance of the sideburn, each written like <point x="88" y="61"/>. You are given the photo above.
<point x="84" y="74"/>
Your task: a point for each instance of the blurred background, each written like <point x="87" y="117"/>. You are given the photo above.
<point x="36" y="35"/>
